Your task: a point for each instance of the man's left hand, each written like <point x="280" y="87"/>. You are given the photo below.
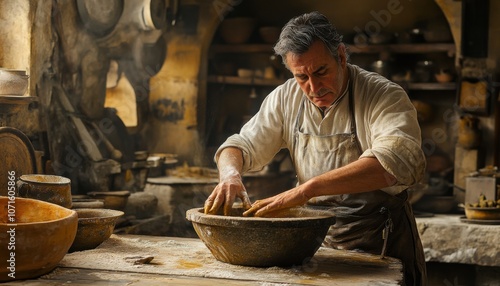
<point x="291" y="198"/>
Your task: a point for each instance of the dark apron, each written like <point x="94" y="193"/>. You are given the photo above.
<point x="362" y="218"/>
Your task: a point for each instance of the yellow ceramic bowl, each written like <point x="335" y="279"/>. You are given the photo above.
<point x="34" y="237"/>
<point x="482" y="213"/>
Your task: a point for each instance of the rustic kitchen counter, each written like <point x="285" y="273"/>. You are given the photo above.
<point x="450" y="239"/>
<point x="126" y="260"/>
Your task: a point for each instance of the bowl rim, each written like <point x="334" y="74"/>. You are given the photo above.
<point x="31" y="179"/>
<point x="196" y="215"/>
<point x="70" y="212"/>
<point x="109" y="193"/>
<point x="488" y="209"/>
<point x="107" y="214"/>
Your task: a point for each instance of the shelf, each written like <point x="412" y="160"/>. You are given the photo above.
<point x="429" y="85"/>
<point x="404" y="48"/>
<point x="244" y="80"/>
<point x="10" y="104"/>
<point x="275" y="82"/>
<point x="243" y="48"/>
<point x="357" y="49"/>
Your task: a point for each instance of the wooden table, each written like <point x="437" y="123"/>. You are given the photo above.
<point x="123" y="260"/>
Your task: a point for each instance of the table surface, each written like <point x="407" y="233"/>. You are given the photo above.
<point x="154" y="260"/>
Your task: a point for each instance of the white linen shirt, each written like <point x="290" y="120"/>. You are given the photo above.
<point x="386" y="123"/>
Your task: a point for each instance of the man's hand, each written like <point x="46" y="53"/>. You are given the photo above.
<point x="230" y="184"/>
<point x="225" y="194"/>
<point x="291" y="198"/>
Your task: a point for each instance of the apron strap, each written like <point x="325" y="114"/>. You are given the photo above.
<point x="354" y="137"/>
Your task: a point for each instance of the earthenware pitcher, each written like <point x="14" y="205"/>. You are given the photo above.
<point x="469" y="135"/>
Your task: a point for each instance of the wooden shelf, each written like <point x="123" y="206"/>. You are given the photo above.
<point x="368" y="49"/>
<point x="449" y="48"/>
<point x="275" y="82"/>
<point x="14" y="103"/>
<point x="243" y="48"/>
<point x="404" y="48"/>
<point x="244" y="80"/>
<point x="429" y="86"/>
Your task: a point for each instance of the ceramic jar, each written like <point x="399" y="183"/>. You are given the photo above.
<point x="48" y="188"/>
<point x="469" y="135"/>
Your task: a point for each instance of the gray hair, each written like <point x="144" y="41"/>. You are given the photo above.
<point x="300" y="32"/>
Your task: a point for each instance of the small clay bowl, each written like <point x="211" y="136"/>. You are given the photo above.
<point x="94" y="227"/>
<point x="115" y="200"/>
<point x="289" y="237"/>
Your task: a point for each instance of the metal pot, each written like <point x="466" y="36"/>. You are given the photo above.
<point x="382" y="67"/>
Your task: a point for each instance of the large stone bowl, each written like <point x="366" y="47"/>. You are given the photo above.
<point x="287" y="238"/>
<point x="94" y="227"/>
<point x="38" y="238"/>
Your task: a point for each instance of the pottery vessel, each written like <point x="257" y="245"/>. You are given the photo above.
<point x="49" y="188"/>
<point x="485" y="213"/>
<point x="13" y="82"/>
<point x="469" y="135"/>
<point x="87" y="203"/>
<point x="43" y="233"/>
<point x="94" y="227"/>
<point x="237" y="30"/>
<point x="286" y="238"/>
<point x="115" y="200"/>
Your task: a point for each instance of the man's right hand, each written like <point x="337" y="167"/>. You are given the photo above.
<point x="225" y="194"/>
<point x="230" y="185"/>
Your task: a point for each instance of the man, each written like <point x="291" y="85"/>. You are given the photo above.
<point x="353" y="137"/>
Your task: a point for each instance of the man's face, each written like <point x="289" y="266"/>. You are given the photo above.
<point x="319" y="75"/>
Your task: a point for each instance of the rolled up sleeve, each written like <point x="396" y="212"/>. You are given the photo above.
<point x="262" y="136"/>
<point x="401" y="157"/>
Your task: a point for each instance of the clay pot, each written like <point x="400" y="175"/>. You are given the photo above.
<point x="94" y="227"/>
<point x="43" y="234"/>
<point x="469" y="135"/>
<point x="87" y="204"/>
<point x="289" y="237"/>
<point x="384" y="68"/>
<point x="115" y="200"/>
<point x="424" y="110"/>
<point x="13" y="82"/>
<point x="269" y="34"/>
<point x="237" y="30"/>
<point x="438" y="34"/>
<point x="443" y="76"/>
<point x="49" y="188"/>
